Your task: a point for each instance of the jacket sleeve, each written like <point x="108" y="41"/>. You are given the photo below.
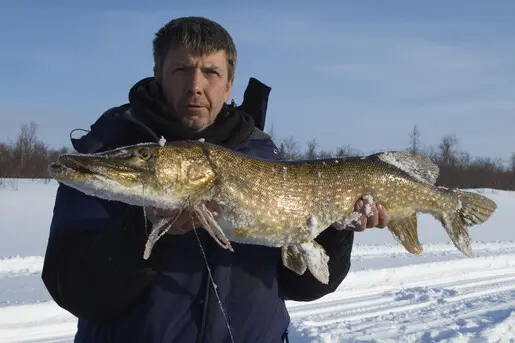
<point x="93" y="265"/>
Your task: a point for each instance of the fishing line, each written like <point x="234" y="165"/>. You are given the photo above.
<point x="215" y="287"/>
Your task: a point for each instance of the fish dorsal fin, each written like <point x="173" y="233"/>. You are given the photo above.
<point x="417" y="166"/>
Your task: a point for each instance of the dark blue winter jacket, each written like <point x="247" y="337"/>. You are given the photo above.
<point x="94" y="268"/>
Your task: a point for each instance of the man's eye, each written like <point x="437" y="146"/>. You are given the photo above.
<point x="176" y="70"/>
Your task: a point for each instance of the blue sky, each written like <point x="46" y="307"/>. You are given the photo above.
<point x="357" y="73"/>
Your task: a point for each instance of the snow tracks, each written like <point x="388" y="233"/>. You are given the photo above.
<point x="453" y="299"/>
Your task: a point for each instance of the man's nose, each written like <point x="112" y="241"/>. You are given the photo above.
<point x="194" y="82"/>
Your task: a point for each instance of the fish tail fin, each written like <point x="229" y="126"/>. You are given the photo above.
<point x="307" y="256"/>
<point x="472" y="209"/>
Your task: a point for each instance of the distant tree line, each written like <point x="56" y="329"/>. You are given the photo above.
<point x="458" y="169"/>
<point x="29" y="157"/>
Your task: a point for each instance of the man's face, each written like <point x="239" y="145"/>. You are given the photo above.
<point x="195" y="87"/>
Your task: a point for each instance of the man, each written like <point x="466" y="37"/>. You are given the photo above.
<point x="93" y="265"/>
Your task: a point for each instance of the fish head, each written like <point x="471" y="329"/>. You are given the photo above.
<point x="149" y="174"/>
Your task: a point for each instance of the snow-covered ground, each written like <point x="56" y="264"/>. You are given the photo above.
<point x="389" y="295"/>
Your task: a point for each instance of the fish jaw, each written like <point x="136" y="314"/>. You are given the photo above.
<point x="99" y="185"/>
<point x="126" y="166"/>
<point x="119" y="175"/>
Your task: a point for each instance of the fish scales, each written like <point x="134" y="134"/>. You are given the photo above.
<point x="284" y="204"/>
<point x="282" y="196"/>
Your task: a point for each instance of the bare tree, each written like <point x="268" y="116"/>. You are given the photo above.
<point x="27" y="156"/>
<point x="448" y="150"/>
<point x="5" y="159"/>
<point x="346" y="151"/>
<point x="463" y="159"/>
<point x="325" y="154"/>
<point x="289" y="149"/>
<point x="39" y="162"/>
<point x="414" y="140"/>
<point x="24" y="147"/>
<point x="311" y="150"/>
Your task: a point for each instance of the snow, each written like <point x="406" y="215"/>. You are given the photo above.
<point x="349" y="221"/>
<point x="369" y="201"/>
<point x="313" y="226"/>
<point x="388" y="296"/>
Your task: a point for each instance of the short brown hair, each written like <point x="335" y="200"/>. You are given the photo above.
<point x="197" y="34"/>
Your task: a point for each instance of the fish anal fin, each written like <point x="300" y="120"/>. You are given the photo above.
<point x="405" y="231"/>
<point x="310" y="256"/>
<point x="293" y="260"/>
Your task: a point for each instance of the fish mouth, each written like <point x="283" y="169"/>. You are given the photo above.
<point x="69" y="167"/>
<point x="74" y="164"/>
<point x="78" y="168"/>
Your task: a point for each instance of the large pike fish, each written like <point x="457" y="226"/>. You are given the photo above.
<point x="275" y="203"/>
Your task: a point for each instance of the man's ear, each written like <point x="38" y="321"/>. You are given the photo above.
<point x="228" y="90"/>
<point x="157" y="74"/>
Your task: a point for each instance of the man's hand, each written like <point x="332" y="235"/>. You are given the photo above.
<point x="367" y="215"/>
<point x="185" y="222"/>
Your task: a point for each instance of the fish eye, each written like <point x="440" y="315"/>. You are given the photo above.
<point x="144" y="154"/>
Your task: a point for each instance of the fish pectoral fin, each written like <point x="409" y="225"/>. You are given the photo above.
<point x="310" y="256"/>
<point x="210" y="224"/>
<point x="159" y="228"/>
<point x="405" y="231"/>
